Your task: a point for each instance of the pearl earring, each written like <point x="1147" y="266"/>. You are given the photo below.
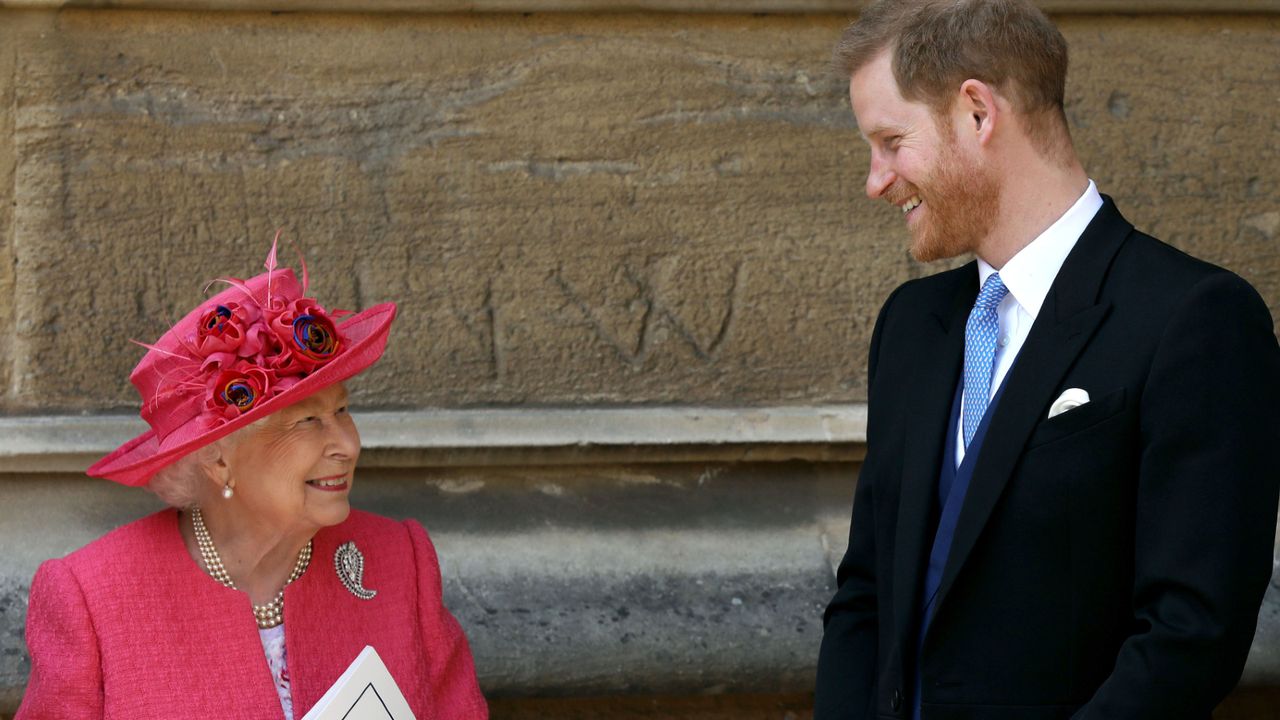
<point x="227" y="491"/>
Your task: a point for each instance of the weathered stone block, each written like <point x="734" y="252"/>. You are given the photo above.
<point x="607" y="6"/>
<point x="1191" y="161"/>
<point x="554" y="234"/>
<point x="570" y="209"/>
<point x="7" y="203"/>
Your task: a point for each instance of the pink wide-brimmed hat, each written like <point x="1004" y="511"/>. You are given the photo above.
<point x="252" y="349"/>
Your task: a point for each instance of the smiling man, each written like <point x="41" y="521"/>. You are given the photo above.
<point x="1068" y="502"/>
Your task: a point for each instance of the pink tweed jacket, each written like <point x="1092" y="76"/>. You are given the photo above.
<point x="130" y="627"/>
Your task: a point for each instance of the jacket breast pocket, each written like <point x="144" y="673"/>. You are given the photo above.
<point x="1077" y="419"/>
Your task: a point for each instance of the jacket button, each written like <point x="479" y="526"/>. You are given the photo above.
<point x="895" y="700"/>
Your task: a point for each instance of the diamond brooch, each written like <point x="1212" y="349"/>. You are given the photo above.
<point x="349" y="562"/>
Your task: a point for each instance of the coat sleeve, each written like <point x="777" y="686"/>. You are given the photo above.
<point x="454" y="691"/>
<point x="847" y="658"/>
<point x="1206" y="507"/>
<point x="66" y="671"/>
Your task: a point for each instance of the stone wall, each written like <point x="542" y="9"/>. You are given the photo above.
<point x="570" y="209"/>
<point x="576" y="210"/>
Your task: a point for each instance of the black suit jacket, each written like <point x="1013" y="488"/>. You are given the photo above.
<point x="1108" y="562"/>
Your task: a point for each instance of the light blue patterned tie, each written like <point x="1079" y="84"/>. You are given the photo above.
<point x="980" y="353"/>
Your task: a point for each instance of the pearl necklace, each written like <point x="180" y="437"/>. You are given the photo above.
<point x="272" y="613"/>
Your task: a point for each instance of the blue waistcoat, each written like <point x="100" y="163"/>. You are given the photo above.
<point x="953" y="484"/>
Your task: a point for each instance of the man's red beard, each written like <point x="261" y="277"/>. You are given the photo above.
<point x="960" y="204"/>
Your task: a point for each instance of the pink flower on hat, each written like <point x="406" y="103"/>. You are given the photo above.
<point x="236" y="390"/>
<point x="224" y="328"/>
<point x="306" y="335"/>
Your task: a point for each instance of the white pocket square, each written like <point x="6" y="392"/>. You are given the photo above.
<point x="1070" y="399"/>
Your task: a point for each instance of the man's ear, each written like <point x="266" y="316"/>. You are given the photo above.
<point x="979" y="109"/>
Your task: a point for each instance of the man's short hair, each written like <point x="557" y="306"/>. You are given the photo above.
<point x="938" y="44"/>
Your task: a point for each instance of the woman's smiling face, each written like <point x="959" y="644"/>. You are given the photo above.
<point x="295" y="470"/>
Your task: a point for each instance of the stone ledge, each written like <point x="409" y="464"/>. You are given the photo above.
<point x="434" y="438"/>
<point x="1061" y="7"/>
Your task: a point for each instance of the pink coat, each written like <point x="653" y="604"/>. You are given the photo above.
<point x="129" y="626"/>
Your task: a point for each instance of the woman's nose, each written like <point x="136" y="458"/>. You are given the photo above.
<point x="344" y="439"/>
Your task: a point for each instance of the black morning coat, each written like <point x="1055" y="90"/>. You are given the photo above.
<point x="1108" y="562"/>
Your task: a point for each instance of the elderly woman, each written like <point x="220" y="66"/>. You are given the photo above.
<point x="254" y="594"/>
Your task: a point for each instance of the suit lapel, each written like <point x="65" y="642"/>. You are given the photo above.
<point x="1068" y="319"/>
<point x="938" y="365"/>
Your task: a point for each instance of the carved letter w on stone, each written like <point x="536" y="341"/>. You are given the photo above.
<point x="637" y="308"/>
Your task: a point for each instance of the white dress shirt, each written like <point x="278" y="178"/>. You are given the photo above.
<point x="1028" y="275"/>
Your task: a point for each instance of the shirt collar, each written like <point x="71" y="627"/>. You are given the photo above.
<point x="1030" y="272"/>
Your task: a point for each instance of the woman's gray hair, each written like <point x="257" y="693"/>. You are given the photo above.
<point x="179" y="483"/>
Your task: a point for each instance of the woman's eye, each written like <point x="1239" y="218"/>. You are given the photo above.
<point x="341" y="411"/>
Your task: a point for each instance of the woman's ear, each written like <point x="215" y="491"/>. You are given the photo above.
<point x="217" y="470"/>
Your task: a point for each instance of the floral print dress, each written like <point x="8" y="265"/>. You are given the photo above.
<point x="273" y="646"/>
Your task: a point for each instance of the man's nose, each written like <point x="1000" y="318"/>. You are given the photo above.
<point x="879" y="177"/>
